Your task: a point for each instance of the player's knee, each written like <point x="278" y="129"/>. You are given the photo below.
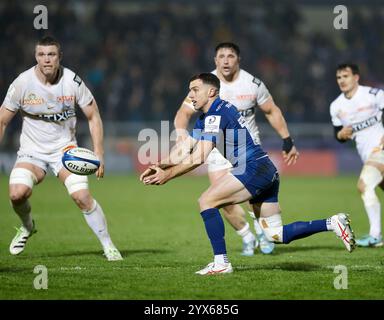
<point x="206" y="201"/>
<point x="75" y="183"/>
<point x="83" y="200"/>
<point x="370" y="178"/>
<point x="272" y="227"/>
<point x="22" y="176"/>
<point x="361" y="186"/>
<point x="21" y="182"/>
<point x="19" y="194"/>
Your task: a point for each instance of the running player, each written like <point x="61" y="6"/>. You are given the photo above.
<point x="46" y="96"/>
<point x="246" y="92"/>
<point x="253" y="177"/>
<point x="357" y="115"/>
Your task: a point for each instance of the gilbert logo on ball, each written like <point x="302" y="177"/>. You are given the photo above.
<point x="80" y="161"/>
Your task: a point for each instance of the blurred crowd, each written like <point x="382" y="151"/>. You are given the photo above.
<point x="137" y="58"/>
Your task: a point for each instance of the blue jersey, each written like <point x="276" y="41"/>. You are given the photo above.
<point x="228" y="130"/>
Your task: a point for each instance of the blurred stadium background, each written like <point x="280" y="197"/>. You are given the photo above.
<point x="137" y="56"/>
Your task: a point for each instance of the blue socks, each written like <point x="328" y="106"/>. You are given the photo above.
<point x="214" y="225"/>
<point x="300" y="229"/>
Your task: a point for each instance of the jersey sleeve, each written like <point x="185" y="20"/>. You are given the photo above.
<point x="210" y="128"/>
<point x="12" y="100"/>
<point x="83" y="94"/>
<point x="262" y="91"/>
<point x="379" y="97"/>
<point x="334" y="118"/>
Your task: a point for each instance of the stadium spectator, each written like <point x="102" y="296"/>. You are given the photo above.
<point x="46" y="96"/>
<point x="246" y="92"/>
<point x="158" y="39"/>
<point x="357" y="115"/>
<point x="253" y="178"/>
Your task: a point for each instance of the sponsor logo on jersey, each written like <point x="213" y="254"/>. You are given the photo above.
<point x="365" y="124"/>
<point x="57" y="117"/>
<point x="77" y="79"/>
<point x="246" y="97"/>
<point x="66" y="99"/>
<point x="241" y="120"/>
<point x="33" y="100"/>
<point x="256" y="81"/>
<point x="212" y="124"/>
<point x="374" y="91"/>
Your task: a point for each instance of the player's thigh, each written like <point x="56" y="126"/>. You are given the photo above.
<point x="23" y="177"/>
<point x="225" y="191"/>
<point x="77" y="186"/>
<point x="218" y="165"/>
<point x="216" y="175"/>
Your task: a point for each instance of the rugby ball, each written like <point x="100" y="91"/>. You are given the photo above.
<point x="80" y="161"/>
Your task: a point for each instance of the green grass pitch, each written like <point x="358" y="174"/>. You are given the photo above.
<point x="162" y="239"/>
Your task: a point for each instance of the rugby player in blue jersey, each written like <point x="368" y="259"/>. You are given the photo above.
<point x="253" y="178"/>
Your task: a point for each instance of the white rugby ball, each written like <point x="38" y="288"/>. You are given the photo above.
<point x="80" y="161"/>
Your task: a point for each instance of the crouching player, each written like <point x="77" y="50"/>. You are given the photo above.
<point x="253" y="177"/>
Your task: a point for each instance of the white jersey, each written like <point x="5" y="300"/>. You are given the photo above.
<point x="49" y="117"/>
<point x="364" y="113"/>
<point x="245" y="93"/>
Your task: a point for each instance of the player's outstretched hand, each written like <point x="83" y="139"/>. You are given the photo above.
<point x="291" y="157"/>
<point x="148" y="172"/>
<point x="159" y="176"/>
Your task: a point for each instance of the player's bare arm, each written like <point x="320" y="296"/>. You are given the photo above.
<point x="5" y="117"/>
<point x="182" y="118"/>
<point x="195" y="159"/>
<point x="177" y="155"/>
<point x="96" y="129"/>
<point x="275" y="117"/>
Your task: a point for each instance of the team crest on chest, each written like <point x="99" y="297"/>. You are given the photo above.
<point x="212" y="124"/>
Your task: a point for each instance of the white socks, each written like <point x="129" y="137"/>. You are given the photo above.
<point x="96" y="221"/>
<point x="23" y="210"/>
<point x="246" y="233"/>
<point x="221" y="259"/>
<point x="257" y="227"/>
<point x="374" y="216"/>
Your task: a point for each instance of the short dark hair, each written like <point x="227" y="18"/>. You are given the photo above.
<point x="354" y="67"/>
<point x="229" y="45"/>
<point x="48" y="41"/>
<point x="207" y="78"/>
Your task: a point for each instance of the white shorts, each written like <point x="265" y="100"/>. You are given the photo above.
<point x="217" y="162"/>
<point x="377" y="156"/>
<point x="43" y="161"/>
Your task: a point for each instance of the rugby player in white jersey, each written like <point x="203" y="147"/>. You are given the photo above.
<point x="357" y="115"/>
<point x="46" y="96"/>
<point x="246" y="92"/>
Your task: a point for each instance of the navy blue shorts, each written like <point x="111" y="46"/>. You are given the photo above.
<point x="261" y="179"/>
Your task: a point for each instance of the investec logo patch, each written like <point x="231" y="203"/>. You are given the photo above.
<point x="212" y="124"/>
<point x="364" y="124"/>
<point x="32" y="99"/>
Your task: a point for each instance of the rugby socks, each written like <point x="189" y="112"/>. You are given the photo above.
<point x="246" y="233"/>
<point x="97" y="222"/>
<point x="256" y="224"/>
<point x="374" y="217"/>
<point x="214" y="225"/>
<point x="23" y="210"/>
<point x="300" y="229"/>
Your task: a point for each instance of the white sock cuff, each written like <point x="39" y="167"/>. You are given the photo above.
<point x="243" y="231"/>
<point x="94" y="207"/>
